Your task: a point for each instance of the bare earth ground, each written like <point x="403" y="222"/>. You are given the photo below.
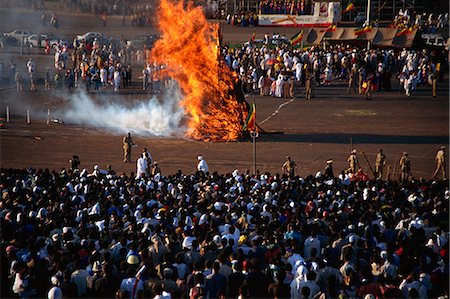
<point x="313" y="131"/>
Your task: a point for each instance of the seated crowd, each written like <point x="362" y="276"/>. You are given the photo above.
<point x="103" y="234"/>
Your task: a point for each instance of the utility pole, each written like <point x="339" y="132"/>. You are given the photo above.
<point x="368" y="21"/>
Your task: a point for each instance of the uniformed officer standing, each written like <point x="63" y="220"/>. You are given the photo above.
<point x="440" y="163"/>
<point x="405" y="166"/>
<point x="289" y="167"/>
<point x="434" y="78"/>
<point x="352" y="80"/>
<point x="309" y="85"/>
<point x="329" y="170"/>
<point x="127" y="144"/>
<point x="353" y="163"/>
<point x="380" y="163"/>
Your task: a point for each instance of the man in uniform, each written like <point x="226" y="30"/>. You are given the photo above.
<point x="289" y="167"/>
<point x="127" y="144"/>
<point x="74" y="162"/>
<point x="440" y="163"/>
<point x="309" y="84"/>
<point x="329" y="170"/>
<point x="434" y="78"/>
<point x="405" y="166"/>
<point x="353" y="163"/>
<point x="380" y="163"/>
<point x="352" y="80"/>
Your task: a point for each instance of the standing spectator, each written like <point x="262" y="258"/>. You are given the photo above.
<point x="127" y="145"/>
<point x="202" y="165"/>
<point x="30" y="68"/>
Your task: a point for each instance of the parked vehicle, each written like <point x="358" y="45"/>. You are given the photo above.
<point x="89" y="36"/>
<point x="18" y="33"/>
<point x="8" y="41"/>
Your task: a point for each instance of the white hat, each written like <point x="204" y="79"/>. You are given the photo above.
<point x="200" y="157"/>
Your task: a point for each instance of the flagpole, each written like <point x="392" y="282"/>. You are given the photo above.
<point x="368" y="21"/>
<point x="254" y="135"/>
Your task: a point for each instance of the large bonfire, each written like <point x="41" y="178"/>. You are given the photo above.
<point x="189" y="49"/>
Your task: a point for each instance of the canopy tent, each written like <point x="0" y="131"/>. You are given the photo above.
<point x="379" y="37"/>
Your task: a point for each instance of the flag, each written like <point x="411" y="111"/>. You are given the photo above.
<point x="349" y="7"/>
<point x="297" y="38"/>
<point x="330" y="28"/>
<point x="250" y="122"/>
<point x="365" y="29"/>
<point x="407" y="30"/>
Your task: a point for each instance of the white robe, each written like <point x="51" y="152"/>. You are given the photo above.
<point x="279" y="88"/>
<point x="202" y="166"/>
<point x="103" y="76"/>
<point x="141" y="167"/>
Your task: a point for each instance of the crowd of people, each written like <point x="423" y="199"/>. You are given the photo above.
<point x="279" y="70"/>
<point x="92" y="64"/>
<point x="298" y="7"/>
<point x="428" y="23"/>
<point x="76" y="233"/>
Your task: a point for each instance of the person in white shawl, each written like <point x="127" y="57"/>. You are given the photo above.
<point x="202" y="165"/>
<point x="141" y="166"/>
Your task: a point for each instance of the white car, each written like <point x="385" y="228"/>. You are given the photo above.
<point x="90" y="36"/>
<point x="18" y="33"/>
<point x="32" y="40"/>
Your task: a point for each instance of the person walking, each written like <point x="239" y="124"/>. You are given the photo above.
<point x="380" y="163"/>
<point x="127" y="144"/>
<point x="405" y="166"/>
<point x="289" y="167"/>
<point x="440" y="163"/>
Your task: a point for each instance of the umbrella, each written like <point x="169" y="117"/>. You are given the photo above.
<point x="272" y="62"/>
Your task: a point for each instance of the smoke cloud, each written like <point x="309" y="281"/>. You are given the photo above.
<point x="152" y="117"/>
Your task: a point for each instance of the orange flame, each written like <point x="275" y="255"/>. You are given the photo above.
<point x="189" y="47"/>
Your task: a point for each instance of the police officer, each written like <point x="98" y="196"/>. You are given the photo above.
<point x="289" y="167"/>
<point x="434" y="78"/>
<point x="380" y="163"/>
<point x="352" y="80"/>
<point x="74" y="162"/>
<point x="353" y="163"/>
<point x="127" y="144"/>
<point x="440" y="163"/>
<point x="309" y="85"/>
<point x="405" y="166"/>
<point x="329" y="170"/>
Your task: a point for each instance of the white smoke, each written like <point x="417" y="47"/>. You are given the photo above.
<point x="151" y="117"/>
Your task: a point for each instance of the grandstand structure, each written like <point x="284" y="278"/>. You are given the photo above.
<point x="382" y="10"/>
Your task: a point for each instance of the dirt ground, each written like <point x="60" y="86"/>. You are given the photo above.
<point x="312" y="131"/>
